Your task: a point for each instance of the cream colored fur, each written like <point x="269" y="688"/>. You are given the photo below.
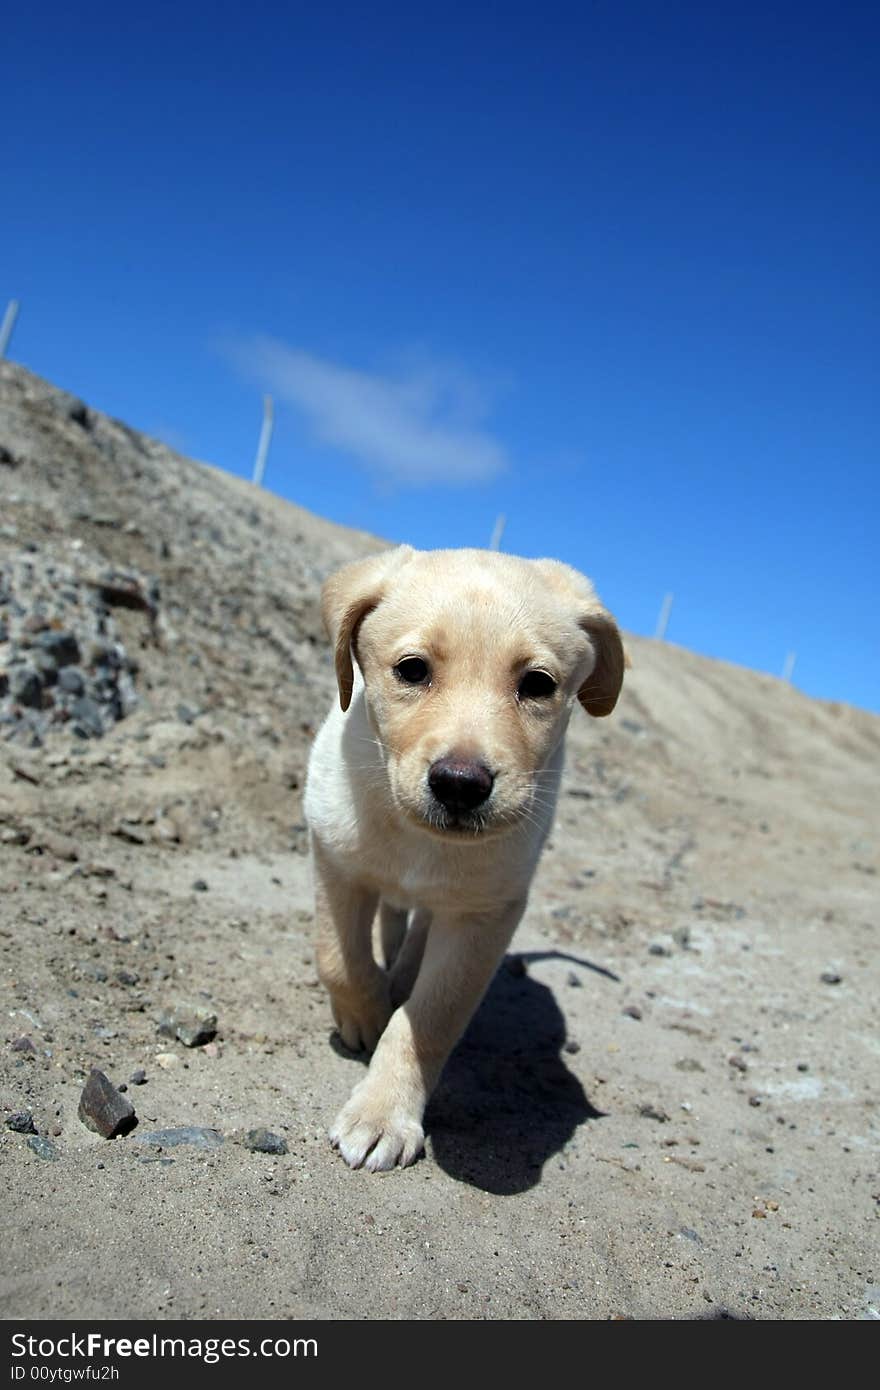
<point x="451" y="891"/>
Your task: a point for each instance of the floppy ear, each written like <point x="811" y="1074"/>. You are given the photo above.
<point x="346" y="599"/>
<point x="600" y="690"/>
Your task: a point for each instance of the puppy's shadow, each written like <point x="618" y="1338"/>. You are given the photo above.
<point x="506" y="1101"/>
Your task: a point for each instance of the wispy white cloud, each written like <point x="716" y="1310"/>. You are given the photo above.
<point x="422" y="426"/>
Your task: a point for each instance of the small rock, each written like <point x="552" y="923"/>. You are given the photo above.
<point x="71" y="680"/>
<point x="59" y="846"/>
<point x="739" y="1063"/>
<point x="25" y="687"/>
<point x="631" y="1011"/>
<point x="138" y="1077"/>
<point x="127" y="830"/>
<point x="263" y="1141"/>
<point x="200" y="886"/>
<point x="22" y="1122"/>
<point x="830" y="977"/>
<point x="657" y="948"/>
<point x="86" y="717"/>
<point x="103" y="1109"/>
<point x="515" y="965"/>
<point x="22" y="1045"/>
<point x="574" y="980"/>
<point x="43" y="1148"/>
<point x="193" y="1029"/>
<point x="167" y="1060"/>
<point x="572" y="1047"/>
<point x="127" y="977"/>
<point x="61" y="647"/>
<point x="651" y="1112"/>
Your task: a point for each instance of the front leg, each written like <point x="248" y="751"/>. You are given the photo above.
<point x="381" y="1125"/>
<point x="358" y="989"/>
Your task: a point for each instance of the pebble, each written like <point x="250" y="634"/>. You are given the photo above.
<point x="631" y="1011"/>
<point x="657" y="948"/>
<point x="167" y="1060"/>
<point x="103" y="1109"/>
<point x="138" y="1077"/>
<point x="22" y="1122"/>
<point x="830" y="977"/>
<point x="200" y="886"/>
<point x="651" y="1112"/>
<point x="22" y="1045"/>
<point x="574" y="981"/>
<point x="43" y="1148"/>
<point x="191" y="1027"/>
<point x="263" y="1141"/>
<point x="515" y="965"/>
<point x="572" y="1046"/>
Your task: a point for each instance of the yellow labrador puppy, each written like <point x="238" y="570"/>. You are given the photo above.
<point x="430" y="792"/>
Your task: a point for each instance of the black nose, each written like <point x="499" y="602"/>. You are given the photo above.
<point x="460" y="784"/>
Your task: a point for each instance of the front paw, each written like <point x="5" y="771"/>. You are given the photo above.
<point x="375" y="1131"/>
<point x="362" y="1019"/>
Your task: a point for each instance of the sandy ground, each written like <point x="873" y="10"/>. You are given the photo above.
<point x="666" y="1106"/>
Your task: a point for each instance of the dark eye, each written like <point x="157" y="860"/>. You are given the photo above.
<point x="412" y="670"/>
<point x="536" y="685"/>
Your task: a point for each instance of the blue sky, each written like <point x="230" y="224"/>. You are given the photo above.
<point x="608" y="268"/>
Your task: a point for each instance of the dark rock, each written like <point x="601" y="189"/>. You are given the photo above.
<point x="43" y="1148"/>
<point x="61" y="647"/>
<point x="572" y="1047"/>
<point x="127" y="977"/>
<point x="200" y="886"/>
<point x="103" y="1109"/>
<point x="632" y="1011"/>
<point x="831" y="977"/>
<point x="263" y="1141"/>
<point x="81" y="415"/>
<point x="187" y="1134"/>
<point x="651" y="1112"/>
<point x="22" y="1122"/>
<point x="515" y="965"/>
<point x="574" y="980"/>
<point x="656" y="948"/>
<point x="25" y="686"/>
<point x="138" y="1077"/>
<point x="22" y="1045"/>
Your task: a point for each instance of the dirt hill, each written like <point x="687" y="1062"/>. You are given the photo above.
<point x="666" y="1107"/>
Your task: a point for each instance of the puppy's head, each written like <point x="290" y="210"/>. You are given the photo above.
<point x="472" y="661"/>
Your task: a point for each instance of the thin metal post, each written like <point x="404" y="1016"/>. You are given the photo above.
<point x="663" y="620"/>
<point x="788" y="668"/>
<point x="265" y="441"/>
<point x="8" y="324"/>
<point x="498" y="531"/>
